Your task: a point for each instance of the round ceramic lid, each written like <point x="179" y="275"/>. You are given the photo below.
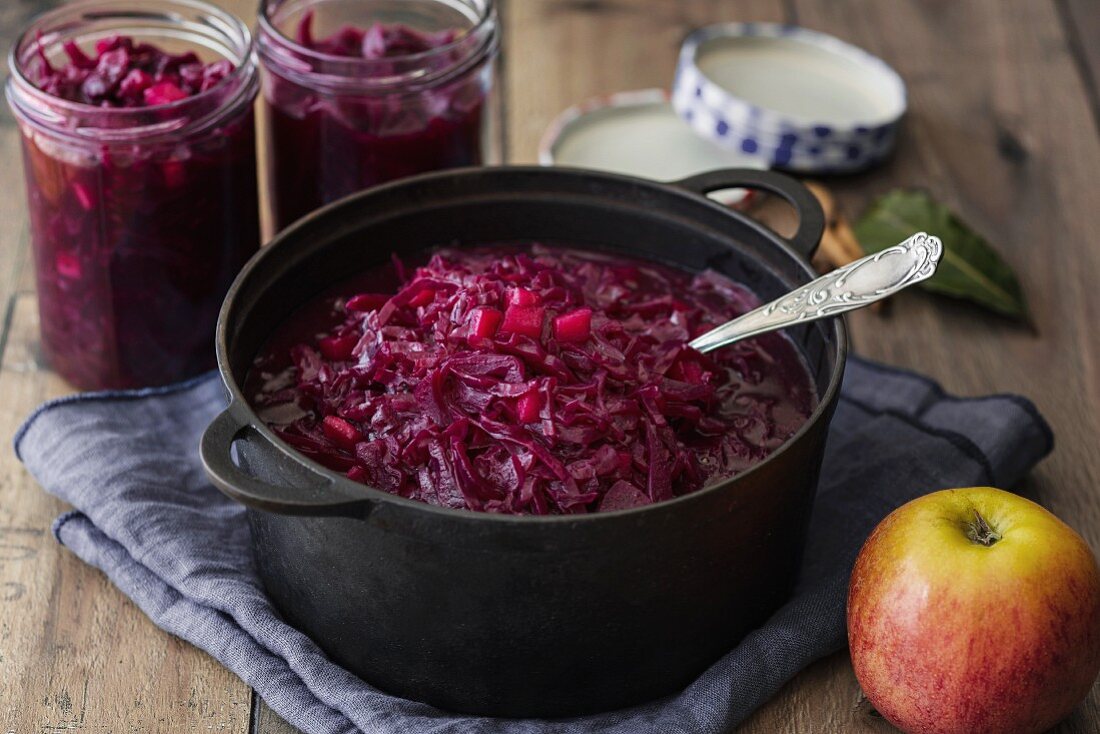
<point x="803" y="100"/>
<point x="639" y="134"/>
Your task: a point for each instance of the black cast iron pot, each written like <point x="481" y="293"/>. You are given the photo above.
<point x="522" y="616"/>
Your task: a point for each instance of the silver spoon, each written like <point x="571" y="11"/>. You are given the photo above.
<point x="853" y="286"/>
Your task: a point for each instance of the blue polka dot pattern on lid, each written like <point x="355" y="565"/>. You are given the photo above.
<point x="801" y="144"/>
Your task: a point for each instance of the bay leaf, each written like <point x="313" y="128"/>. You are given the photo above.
<point x="970" y="269"/>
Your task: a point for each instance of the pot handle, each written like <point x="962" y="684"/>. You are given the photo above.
<point x="811" y="219"/>
<point x="306" y="492"/>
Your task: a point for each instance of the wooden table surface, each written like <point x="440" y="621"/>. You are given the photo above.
<point x="1003" y="126"/>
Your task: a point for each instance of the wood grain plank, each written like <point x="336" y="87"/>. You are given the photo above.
<point x="14" y="254"/>
<point x="266" y="721"/>
<point x="75" y="654"/>
<point x="1081" y="20"/>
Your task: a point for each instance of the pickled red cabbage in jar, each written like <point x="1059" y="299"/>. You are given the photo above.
<point x="363" y="103"/>
<point x="140" y="168"/>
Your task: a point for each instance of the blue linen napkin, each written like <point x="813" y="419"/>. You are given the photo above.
<point x="146" y="515"/>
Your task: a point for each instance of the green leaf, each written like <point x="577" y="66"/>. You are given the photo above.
<point x="970" y="268"/>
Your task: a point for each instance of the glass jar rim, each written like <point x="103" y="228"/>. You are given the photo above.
<point x="274" y="45"/>
<point x="31" y="101"/>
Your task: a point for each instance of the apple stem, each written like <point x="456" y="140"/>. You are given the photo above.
<point x="980" y="532"/>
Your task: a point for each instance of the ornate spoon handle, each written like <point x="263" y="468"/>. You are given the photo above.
<point x="853" y="286"/>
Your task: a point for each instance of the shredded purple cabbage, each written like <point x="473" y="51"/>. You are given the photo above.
<point x="378" y="41"/>
<point x="532" y="381"/>
<point x="325" y="145"/>
<point x="137" y="242"/>
<point x="123" y="73"/>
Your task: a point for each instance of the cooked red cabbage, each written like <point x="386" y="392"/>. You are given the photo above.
<point x="531" y="381"/>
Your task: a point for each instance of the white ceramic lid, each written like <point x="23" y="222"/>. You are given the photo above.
<point x="638" y="134"/>
<point x="798" y="98"/>
<point x="804" y="82"/>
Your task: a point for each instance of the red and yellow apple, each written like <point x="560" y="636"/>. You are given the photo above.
<point x="974" y="610"/>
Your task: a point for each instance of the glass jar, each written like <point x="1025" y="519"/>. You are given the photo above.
<point x="380" y="110"/>
<point x="140" y="217"/>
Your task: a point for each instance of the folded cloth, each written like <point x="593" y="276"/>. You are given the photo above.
<point x="146" y="515"/>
